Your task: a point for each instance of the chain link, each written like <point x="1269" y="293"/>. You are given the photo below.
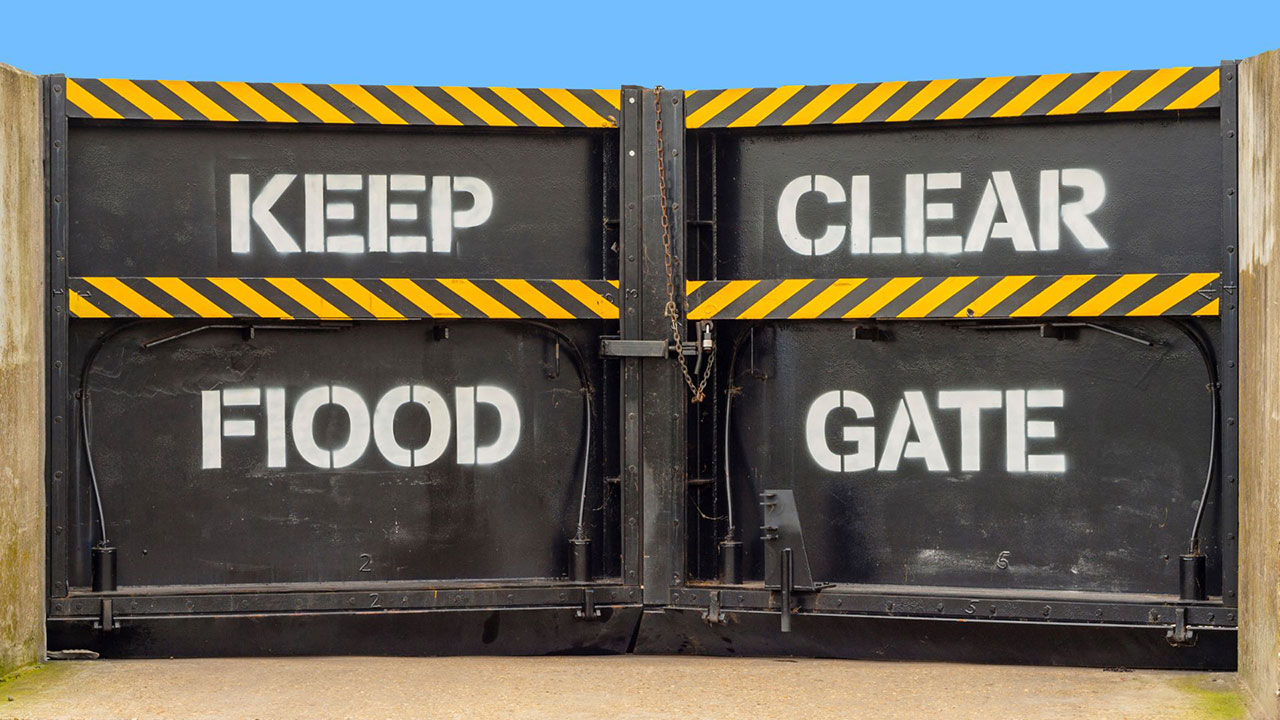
<point x="697" y="388"/>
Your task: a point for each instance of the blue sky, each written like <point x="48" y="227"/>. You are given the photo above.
<point x="606" y="44"/>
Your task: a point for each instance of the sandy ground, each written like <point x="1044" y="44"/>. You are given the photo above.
<point x="603" y="688"/>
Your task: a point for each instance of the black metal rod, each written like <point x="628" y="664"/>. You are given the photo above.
<point x="580" y="548"/>
<point x="104" y="568"/>
<point x="787" y="580"/>
<point x="1192" y="577"/>
<point x="731" y="562"/>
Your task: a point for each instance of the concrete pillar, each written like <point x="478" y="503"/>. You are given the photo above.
<point x="22" y="352"/>
<point x="1259" y="147"/>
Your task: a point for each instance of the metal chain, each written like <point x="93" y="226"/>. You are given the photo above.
<point x="698" y="388"/>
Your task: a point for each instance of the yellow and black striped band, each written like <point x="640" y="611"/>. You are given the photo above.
<point x="114" y="99"/>
<point x="1182" y="88"/>
<point x="339" y="298"/>
<point x="995" y="296"/>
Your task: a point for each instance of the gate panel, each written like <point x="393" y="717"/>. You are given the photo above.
<point x="975" y="359"/>
<point x="212" y="453"/>
<point x="253" y="445"/>
<point x="978" y="458"/>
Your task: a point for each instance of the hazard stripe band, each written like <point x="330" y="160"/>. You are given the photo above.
<point x="1163" y="90"/>
<point x="170" y="100"/>
<point x="1169" y="89"/>
<point x="340" y="298"/>
<point x="1000" y="296"/>
<point x="905" y="298"/>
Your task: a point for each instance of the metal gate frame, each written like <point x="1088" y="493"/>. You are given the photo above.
<point x="655" y="478"/>
<point x="447" y="616"/>
<point x="1180" y="620"/>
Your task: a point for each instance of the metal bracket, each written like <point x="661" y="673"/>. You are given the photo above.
<point x="106" y="621"/>
<point x="612" y="347"/>
<point x="714" y="614"/>
<point x="786" y="566"/>
<point x="1180" y="635"/>
<point x="615" y="347"/>
<point x="588" y="610"/>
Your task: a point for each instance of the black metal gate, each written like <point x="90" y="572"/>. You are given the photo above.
<point x="772" y="370"/>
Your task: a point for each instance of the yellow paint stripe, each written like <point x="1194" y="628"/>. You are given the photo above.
<point x="1044" y="301"/>
<point x="819" y="104"/>
<point x="613" y="97"/>
<point x="617" y="283"/>
<point x="869" y="104"/>
<point x="594" y="301"/>
<point x="535" y="298"/>
<point x="886" y="294"/>
<point x="975" y="97"/>
<point x="128" y="297"/>
<point x="714" y="106"/>
<point x="86" y="101"/>
<point x="416" y="294"/>
<point x="480" y="107"/>
<point x="1201" y="91"/>
<point x="308" y="298"/>
<point x="690" y="286"/>
<point x="527" y="107"/>
<point x="198" y="100"/>
<point x="575" y="107"/>
<point x="365" y="298"/>
<point x="1173" y="295"/>
<point x="935" y="297"/>
<point x="429" y="108"/>
<point x="250" y="298"/>
<point x="831" y="295"/>
<point x="927" y="94"/>
<point x="721" y="298"/>
<point x="130" y="91"/>
<point x="1030" y="95"/>
<point x="997" y="294"/>
<point x="772" y="299"/>
<point x="1119" y="289"/>
<point x="82" y="308"/>
<point x="762" y="109"/>
<point x="1088" y="92"/>
<point x="1210" y="309"/>
<point x="1147" y="89"/>
<point x="256" y="102"/>
<point x="316" y="105"/>
<point x="189" y="296"/>
<point x="370" y="104"/>
<point x="482" y="300"/>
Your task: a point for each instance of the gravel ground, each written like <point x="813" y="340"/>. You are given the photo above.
<point x="603" y="688"/>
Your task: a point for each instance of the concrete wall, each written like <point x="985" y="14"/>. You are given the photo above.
<point x="22" y="347"/>
<point x="1260" y="381"/>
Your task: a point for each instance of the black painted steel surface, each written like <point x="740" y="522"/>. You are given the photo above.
<point x="278" y="486"/>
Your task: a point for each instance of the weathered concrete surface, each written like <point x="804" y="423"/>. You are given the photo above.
<point x="22" y="271"/>
<point x="1260" y="382"/>
<point x="630" y="686"/>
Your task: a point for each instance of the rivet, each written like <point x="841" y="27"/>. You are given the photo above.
<point x="631" y="153"/>
<point x="631" y="100"/>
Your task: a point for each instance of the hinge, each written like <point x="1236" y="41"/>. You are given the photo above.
<point x="588" y="610"/>
<point x="714" y="614"/>
<point x="1180" y="635"/>
<point x="106" y="621"/>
